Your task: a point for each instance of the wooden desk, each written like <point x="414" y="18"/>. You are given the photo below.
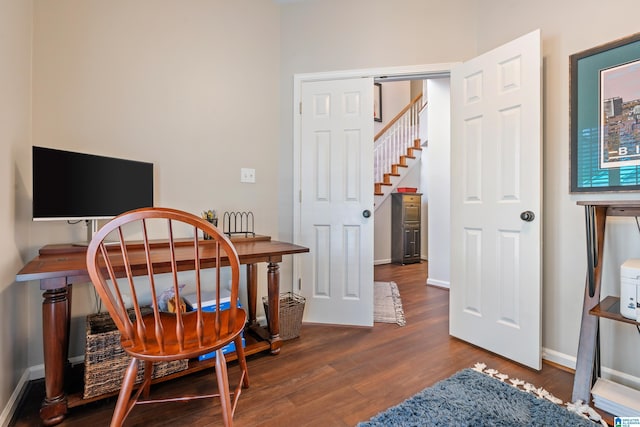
<point x="58" y="267"/>
<point x="588" y="357"/>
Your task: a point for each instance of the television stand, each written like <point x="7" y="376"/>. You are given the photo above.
<point x="92" y="229"/>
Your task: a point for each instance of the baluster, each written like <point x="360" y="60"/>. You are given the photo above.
<point x="418" y="115"/>
<point x="417" y="132"/>
<point x="417" y="121"/>
<point x="396" y="142"/>
<point x="392" y="144"/>
<point x="400" y="142"/>
<point x="380" y="163"/>
<point x="400" y="138"/>
<point x="404" y="134"/>
<point x="388" y="153"/>
<point x="376" y="164"/>
<point x="413" y="123"/>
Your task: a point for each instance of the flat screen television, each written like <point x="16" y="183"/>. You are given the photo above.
<point x="78" y="186"/>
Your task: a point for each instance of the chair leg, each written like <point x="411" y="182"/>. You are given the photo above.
<point x="123" y="405"/>
<point x="242" y="361"/>
<point x="223" y="388"/>
<point x="146" y="381"/>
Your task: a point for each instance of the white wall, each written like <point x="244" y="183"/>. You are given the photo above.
<point x="15" y="144"/>
<point x="192" y="86"/>
<point x="436" y="169"/>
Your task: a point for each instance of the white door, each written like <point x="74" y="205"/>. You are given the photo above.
<point x="336" y="182"/>
<point x="495" y="176"/>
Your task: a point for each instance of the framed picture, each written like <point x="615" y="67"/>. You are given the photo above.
<point x="377" y="102"/>
<point x="605" y="117"/>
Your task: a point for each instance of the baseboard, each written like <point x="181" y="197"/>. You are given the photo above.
<point x="29" y="374"/>
<point x="37" y="371"/>
<point x="439" y="283"/>
<point x="559" y="358"/>
<point x="12" y="405"/>
<point x="621" y="378"/>
<point x="607" y="373"/>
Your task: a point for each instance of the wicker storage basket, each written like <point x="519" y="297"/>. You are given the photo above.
<point x="291" y="310"/>
<point x="105" y="361"/>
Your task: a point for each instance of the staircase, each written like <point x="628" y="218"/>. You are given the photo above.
<point x="397" y="148"/>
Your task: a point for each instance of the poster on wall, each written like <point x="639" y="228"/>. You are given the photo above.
<point x="620" y="116"/>
<point x="605" y="117"/>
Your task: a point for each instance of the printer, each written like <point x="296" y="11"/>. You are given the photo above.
<point x="630" y="289"/>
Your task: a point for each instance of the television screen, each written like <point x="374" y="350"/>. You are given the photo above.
<point x="69" y="185"/>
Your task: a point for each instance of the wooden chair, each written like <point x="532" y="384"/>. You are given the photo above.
<point x="123" y="277"/>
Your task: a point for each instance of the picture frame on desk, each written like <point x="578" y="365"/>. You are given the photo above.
<point x="605" y="117"/>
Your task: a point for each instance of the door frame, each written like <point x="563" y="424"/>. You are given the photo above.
<point x="422" y="72"/>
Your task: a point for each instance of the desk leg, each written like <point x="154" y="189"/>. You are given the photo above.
<point x="587" y="351"/>
<point x="588" y="357"/>
<point x="55" y="328"/>
<point x="252" y="293"/>
<point x="273" y="288"/>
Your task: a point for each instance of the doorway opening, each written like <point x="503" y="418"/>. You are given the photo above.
<point x="303" y="102"/>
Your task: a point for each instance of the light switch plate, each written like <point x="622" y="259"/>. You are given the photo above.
<point x="247" y="175"/>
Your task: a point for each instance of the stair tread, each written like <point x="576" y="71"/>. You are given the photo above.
<point x="411" y="144"/>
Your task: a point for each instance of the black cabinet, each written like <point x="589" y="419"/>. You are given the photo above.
<point x="405" y="228"/>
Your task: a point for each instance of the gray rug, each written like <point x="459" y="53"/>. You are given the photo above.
<point x="472" y="398"/>
<point x="387" y="305"/>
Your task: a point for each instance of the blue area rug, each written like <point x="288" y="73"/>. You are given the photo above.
<point x="472" y="398"/>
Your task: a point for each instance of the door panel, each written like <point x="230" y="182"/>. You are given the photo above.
<point x="496" y="151"/>
<point x="336" y="181"/>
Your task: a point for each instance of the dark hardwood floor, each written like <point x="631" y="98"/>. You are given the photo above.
<point x="330" y="376"/>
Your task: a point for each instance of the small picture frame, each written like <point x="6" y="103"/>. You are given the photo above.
<point x="377" y="102"/>
<point x="605" y="117"/>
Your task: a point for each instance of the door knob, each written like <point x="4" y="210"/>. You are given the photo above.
<point x="366" y="213"/>
<point x="527" y="216"/>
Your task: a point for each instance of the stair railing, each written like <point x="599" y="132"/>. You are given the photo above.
<point x="395" y="138"/>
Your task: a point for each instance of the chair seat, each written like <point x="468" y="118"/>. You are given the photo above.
<point x="152" y="351"/>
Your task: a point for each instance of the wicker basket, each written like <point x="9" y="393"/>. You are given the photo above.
<point x="105" y="361"/>
<point x="291" y="309"/>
